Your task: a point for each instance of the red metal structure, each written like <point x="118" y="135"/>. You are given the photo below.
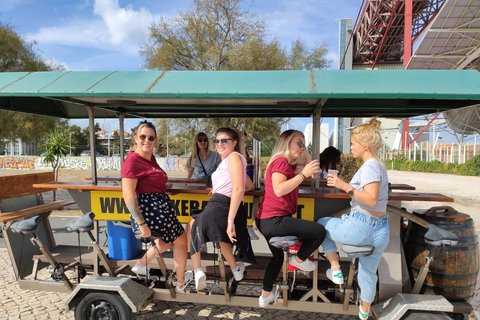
<point x="382" y="28"/>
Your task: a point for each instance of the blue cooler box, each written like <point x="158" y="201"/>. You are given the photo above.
<point x="122" y="244"/>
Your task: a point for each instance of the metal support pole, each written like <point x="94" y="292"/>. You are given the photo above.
<point x="121" y="119"/>
<point x="91" y="120"/>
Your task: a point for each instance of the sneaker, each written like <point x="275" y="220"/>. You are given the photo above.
<point x="361" y="315"/>
<point x="141" y="270"/>
<point x="200" y="279"/>
<point x="265" y="301"/>
<point x="239" y="273"/>
<point x="188" y="279"/>
<point x="336" y="276"/>
<point x="306" y="265"/>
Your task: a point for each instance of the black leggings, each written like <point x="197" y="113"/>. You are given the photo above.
<point x="310" y="232"/>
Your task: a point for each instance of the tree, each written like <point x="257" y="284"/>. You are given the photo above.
<point x="224" y="35"/>
<point x="57" y="145"/>
<point x="85" y="138"/>
<point x="17" y="54"/>
<point x="76" y="140"/>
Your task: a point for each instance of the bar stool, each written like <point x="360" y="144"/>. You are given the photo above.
<point x="84" y="224"/>
<point x="353" y="252"/>
<point x="167" y="275"/>
<point x="284" y="243"/>
<point x="29" y="226"/>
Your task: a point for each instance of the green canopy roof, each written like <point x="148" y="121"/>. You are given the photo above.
<point x="172" y="94"/>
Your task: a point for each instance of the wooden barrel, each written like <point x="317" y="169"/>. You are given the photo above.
<point x="453" y="270"/>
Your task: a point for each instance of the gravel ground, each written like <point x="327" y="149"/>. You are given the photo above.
<point x="464" y="189"/>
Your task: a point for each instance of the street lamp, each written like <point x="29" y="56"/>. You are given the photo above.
<point x="70" y="134"/>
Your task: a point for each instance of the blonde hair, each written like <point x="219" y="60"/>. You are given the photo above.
<point x="193" y="156"/>
<point x="143" y="124"/>
<point x="368" y="135"/>
<point x="282" y="146"/>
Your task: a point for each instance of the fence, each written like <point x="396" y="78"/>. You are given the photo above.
<point x="446" y="152"/>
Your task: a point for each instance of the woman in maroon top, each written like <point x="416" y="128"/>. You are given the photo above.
<point x="274" y="217"/>
<point x="144" y="190"/>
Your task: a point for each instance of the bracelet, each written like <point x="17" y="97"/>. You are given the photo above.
<point x="231" y="221"/>
<point x="302" y="175"/>
<point x="141" y="224"/>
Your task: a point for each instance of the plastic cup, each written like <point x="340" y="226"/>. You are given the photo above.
<point x="335" y="172"/>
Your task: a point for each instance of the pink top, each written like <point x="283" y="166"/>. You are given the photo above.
<point x="221" y="180"/>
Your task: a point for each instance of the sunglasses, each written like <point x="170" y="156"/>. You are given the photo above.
<point x="202" y="139"/>
<point x="143" y="137"/>
<point x="301" y="144"/>
<point x="222" y="141"/>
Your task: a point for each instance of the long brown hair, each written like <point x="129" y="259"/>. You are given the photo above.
<point x="235" y="135"/>
<point x="195" y="150"/>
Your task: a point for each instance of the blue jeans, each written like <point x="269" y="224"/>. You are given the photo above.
<point x="359" y="228"/>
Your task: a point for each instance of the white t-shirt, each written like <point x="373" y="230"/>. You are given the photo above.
<point x="371" y="171"/>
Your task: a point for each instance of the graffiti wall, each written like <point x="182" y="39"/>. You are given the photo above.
<point x="82" y="163"/>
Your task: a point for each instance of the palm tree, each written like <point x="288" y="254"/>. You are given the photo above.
<point x="57" y="147"/>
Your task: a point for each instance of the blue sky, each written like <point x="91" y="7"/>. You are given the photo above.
<point x="107" y="35"/>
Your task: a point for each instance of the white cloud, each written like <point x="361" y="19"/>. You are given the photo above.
<point x="110" y="28"/>
<point x="123" y="24"/>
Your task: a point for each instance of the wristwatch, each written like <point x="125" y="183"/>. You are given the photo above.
<point x="350" y="193"/>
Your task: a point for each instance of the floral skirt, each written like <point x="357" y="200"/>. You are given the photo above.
<point x="159" y="215"/>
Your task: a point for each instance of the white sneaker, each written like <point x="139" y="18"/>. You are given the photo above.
<point x="141" y="270"/>
<point x="200" y="279"/>
<point x="186" y="282"/>
<point x="362" y="315"/>
<point x="239" y="274"/>
<point x="265" y="301"/>
<point x="306" y="265"/>
<point x="336" y="276"/>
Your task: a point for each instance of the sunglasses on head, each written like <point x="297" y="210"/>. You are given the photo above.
<point x="301" y="144"/>
<point x="202" y="139"/>
<point x="143" y="137"/>
<point x="222" y="141"/>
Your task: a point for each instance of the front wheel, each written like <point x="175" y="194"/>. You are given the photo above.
<point x="425" y="315"/>
<point x="102" y="305"/>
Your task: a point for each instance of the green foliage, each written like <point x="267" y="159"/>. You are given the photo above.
<point x="17" y="54"/>
<point x="223" y="35"/>
<point x="470" y="168"/>
<point x="348" y="167"/>
<point x="57" y="147"/>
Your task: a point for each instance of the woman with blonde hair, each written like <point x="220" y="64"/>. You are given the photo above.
<point x="202" y="161"/>
<point x="279" y="204"/>
<point x="367" y="223"/>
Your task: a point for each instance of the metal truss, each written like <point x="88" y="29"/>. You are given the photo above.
<point x="380" y="31"/>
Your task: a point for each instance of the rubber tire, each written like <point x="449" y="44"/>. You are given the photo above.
<point x="424" y="315"/>
<point x="109" y="305"/>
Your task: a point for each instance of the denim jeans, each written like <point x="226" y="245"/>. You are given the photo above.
<point x="359" y="228"/>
